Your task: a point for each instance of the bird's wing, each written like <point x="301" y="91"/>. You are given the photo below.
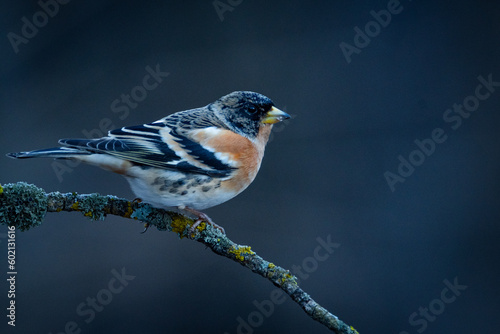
<point x="162" y="144"/>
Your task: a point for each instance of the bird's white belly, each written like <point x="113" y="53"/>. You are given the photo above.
<point x="164" y="188"/>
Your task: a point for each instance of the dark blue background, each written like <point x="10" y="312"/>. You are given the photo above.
<point x="323" y="173"/>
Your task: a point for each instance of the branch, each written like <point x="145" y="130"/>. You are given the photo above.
<point x="24" y="206"/>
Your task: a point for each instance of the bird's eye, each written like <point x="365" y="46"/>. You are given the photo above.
<point x="251" y="110"/>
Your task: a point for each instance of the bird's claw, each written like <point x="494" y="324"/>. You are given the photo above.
<point x="136" y="200"/>
<point x="202" y="217"/>
<point x="207" y="221"/>
<point x="146" y="226"/>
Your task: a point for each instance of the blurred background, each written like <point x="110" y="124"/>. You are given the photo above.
<point x="359" y="101"/>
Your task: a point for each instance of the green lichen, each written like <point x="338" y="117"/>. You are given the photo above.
<point x="179" y="224"/>
<point x="240" y="252"/>
<point x="144" y="212"/>
<point x="129" y="212"/>
<point x="22" y="205"/>
<point x="93" y="206"/>
<point x="217" y="241"/>
<point x="161" y="220"/>
<point x="286" y="278"/>
<point x="141" y="213"/>
<point x="1" y="189"/>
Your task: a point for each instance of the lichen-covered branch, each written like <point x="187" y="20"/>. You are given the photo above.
<point x="25" y="206"/>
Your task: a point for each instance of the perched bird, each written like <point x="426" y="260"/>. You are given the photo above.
<point x="192" y="160"/>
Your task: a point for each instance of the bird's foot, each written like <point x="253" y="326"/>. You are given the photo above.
<point x="136" y="200"/>
<point x="202" y="217"/>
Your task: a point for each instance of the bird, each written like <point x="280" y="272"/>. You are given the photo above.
<point x="191" y="160"/>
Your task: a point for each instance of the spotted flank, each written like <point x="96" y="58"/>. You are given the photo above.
<point x="186" y="185"/>
<point x="173" y="189"/>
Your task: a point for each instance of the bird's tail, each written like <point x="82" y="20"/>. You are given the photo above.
<point x="55" y="152"/>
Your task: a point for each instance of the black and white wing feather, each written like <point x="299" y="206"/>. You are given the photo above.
<point x="158" y="144"/>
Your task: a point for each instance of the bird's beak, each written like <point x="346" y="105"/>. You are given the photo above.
<point x="274" y="116"/>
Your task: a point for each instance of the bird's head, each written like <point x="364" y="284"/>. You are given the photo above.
<point x="246" y="112"/>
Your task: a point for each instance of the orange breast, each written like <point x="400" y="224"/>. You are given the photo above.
<point x="237" y="151"/>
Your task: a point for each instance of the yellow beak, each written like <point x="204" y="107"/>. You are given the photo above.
<point x="274" y="116"/>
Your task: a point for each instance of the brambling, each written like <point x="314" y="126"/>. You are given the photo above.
<point x="192" y="160"/>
